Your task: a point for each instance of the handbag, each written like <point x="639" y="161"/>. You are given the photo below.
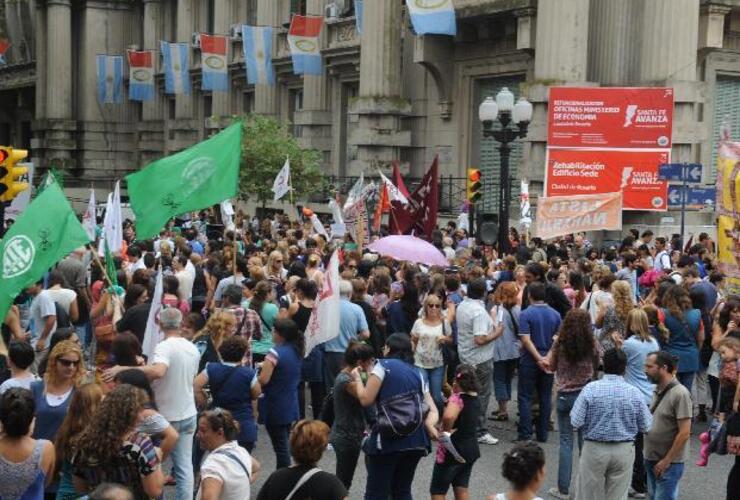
<point x="400" y="415"/>
<point x="732" y="426"/>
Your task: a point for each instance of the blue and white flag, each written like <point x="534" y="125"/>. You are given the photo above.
<point x="141" y="75"/>
<point x="303" y="39"/>
<point x="176" y="58"/>
<point x="215" y="64"/>
<point x="359" y="15"/>
<point x="257" y="42"/>
<point x="432" y="17"/>
<point x="110" y="79"/>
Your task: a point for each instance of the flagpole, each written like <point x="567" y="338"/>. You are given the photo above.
<point x="100" y="264"/>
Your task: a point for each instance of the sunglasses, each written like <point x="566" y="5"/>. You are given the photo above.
<point x="67" y="362"/>
<point x="434" y="306"/>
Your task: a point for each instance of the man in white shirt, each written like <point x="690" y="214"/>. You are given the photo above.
<point x="172" y="371"/>
<point x="135" y="260"/>
<point x="662" y="260"/>
<point x="43" y="316"/>
<point x="184" y="277"/>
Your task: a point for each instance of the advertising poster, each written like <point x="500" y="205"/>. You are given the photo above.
<point x="583" y="172"/>
<point x="728" y="209"/>
<point x="610" y="117"/>
<point x="558" y="216"/>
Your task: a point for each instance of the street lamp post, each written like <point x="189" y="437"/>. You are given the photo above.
<point x="504" y="109"/>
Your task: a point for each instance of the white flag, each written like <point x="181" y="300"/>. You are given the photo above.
<point x="113" y="223"/>
<point x="227" y="215"/>
<point x="356" y="191"/>
<point x="153" y="334"/>
<point x="89" y="219"/>
<point x="336" y="211"/>
<point x="318" y="226"/>
<point x="394" y="194"/>
<point x="323" y="325"/>
<point x="281" y="186"/>
<point x="524" y="206"/>
<point x="463" y="222"/>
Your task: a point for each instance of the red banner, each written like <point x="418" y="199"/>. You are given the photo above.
<point x="577" y="171"/>
<point x="420" y="215"/>
<point x="610" y="117"/>
<point x="558" y="216"/>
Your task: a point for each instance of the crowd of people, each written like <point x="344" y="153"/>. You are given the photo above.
<point x="624" y="348"/>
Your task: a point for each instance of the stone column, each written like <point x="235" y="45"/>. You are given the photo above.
<point x="380" y="105"/>
<point x="153" y="33"/>
<point x="222" y="21"/>
<point x="41" y="70"/>
<point x="266" y="96"/>
<point x="611" y="44"/>
<point x="185" y="127"/>
<point x="315" y="118"/>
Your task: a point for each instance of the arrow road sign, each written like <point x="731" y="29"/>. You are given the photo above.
<point x="695" y="197"/>
<point x="676" y="172"/>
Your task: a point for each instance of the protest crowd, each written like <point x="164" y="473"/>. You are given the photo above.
<point x="620" y="349"/>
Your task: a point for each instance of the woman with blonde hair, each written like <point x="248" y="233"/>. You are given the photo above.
<point x="521" y="283"/>
<point x="612" y="318"/>
<point x="220" y="326"/>
<point x="313" y="269"/>
<point x="506" y="348"/>
<point x="110" y="449"/>
<point x="638" y="344"/>
<point x="274" y="268"/>
<point x="52" y="395"/>
<point x="84" y="403"/>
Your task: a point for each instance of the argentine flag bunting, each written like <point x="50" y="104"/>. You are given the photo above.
<point x="141" y="75"/>
<point x="303" y="39"/>
<point x="257" y="42"/>
<point x="359" y="15"/>
<point x="176" y="57"/>
<point x="432" y="17"/>
<point x="110" y="79"/>
<point x="213" y="49"/>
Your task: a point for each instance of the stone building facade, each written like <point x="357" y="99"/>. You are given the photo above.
<point x="384" y="95"/>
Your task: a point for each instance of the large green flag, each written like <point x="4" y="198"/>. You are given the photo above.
<point x="45" y="232"/>
<point x="195" y="178"/>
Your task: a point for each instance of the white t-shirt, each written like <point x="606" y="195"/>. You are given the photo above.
<point x="174" y="391"/>
<point x="63" y="296"/>
<point x="185" y="287"/>
<point x="23" y="383"/>
<point x="228" y="471"/>
<point x="428" y="352"/>
<point x="41" y="307"/>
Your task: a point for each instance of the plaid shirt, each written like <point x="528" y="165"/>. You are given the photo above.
<point x="249" y="326"/>
<point x="610" y="410"/>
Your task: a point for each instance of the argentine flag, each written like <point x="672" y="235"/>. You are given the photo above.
<point x="213" y="49"/>
<point x="176" y="58"/>
<point x="303" y="39"/>
<point x="359" y="15"/>
<point x="258" y="54"/>
<point x="110" y="79"/>
<point x="432" y="17"/>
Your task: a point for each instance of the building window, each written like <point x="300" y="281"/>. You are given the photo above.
<point x="295" y="104"/>
<point x="298" y="7"/>
<point x="252" y="12"/>
<point x="247" y="102"/>
<point x="211" y="16"/>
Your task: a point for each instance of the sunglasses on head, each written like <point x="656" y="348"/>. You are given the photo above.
<point x="67" y="362"/>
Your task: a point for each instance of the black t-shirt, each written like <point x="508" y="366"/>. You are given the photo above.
<point x="321" y="486"/>
<point x="134" y="320"/>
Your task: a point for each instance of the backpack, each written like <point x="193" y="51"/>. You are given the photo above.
<point x="62" y="316"/>
<point x="401" y="415"/>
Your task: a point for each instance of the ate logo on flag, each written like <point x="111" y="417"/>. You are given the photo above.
<point x="19" y="252"/>
<point x="195" y="175"/>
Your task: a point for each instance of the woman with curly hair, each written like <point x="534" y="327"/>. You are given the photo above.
<point x="261" y="303"/>
<point x="81" y="409"/>
<point x="574" y="357"/>
<point x="220" y="326"/>
<point x="613" y="317"/>
<point x="686" y="332"/>
<point x="109" y="450"/>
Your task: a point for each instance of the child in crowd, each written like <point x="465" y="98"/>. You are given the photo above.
<point x="524" y="468"/>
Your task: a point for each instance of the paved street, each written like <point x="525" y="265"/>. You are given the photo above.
<point x="698" y="482"/>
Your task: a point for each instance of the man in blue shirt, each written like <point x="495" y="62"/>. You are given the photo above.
<point x="352" y="325"/>
<point x="609" y="413"/>
<point x="538" y="324"/>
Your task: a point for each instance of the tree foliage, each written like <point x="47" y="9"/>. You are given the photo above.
<point x="266" y="144"/>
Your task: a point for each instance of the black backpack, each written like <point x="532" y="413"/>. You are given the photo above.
<point x="62" y="317"/>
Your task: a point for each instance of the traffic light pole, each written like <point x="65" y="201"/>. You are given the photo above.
<point x="2" y="219"/>
<point x="685" y="175"/>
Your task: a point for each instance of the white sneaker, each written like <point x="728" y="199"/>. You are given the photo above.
<point x="555" y="492"/>
<point x="329" y="447"/>
<point x="487" y="439"/>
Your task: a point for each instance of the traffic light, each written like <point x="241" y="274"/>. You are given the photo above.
<point x="10" y="173"/>
<point x="474" y="185"/>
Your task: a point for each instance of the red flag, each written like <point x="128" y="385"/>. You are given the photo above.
<point x="420" y="215"/>
<point x="383" y="207"/>
<point x="393" y="225"/>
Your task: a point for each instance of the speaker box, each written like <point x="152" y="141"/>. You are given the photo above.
<point x="488" y="229"/>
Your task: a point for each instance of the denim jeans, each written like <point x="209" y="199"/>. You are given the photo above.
<point x="503" y="374"/>
<point x="686" y="379"/>
<point x="531" y="378"/>
<point x="347" y="455"/>
<point x="390" y="475"/>
<point x="279" y="436"/>
<point x="433" y="378"/>
<point x="664" y="487"/>
<point x="565" y="458"/>
<point x="182" y="457"/>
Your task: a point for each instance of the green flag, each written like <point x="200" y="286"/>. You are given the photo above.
<point x="45" y="232"/>
<point x="110" y="266"/>
<point x="196" y="178"/>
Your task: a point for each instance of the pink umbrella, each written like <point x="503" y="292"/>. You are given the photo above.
<point x="410" y="248"/>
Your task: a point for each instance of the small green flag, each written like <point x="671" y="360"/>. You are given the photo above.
<point x="45" y="232"/>
<point x="110" y="266"/>
<point x="195" y="178"/>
